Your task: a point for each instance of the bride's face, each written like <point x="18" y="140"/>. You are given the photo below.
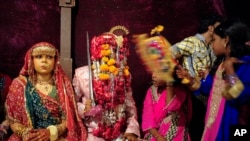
<point x="43" y="64"/>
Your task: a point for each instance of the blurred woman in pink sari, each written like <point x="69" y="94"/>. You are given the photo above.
<point x="40" y="103"/>
<point x="167" y="109"/>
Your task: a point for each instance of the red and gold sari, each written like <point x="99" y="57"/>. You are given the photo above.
<point x="30" y="107"/>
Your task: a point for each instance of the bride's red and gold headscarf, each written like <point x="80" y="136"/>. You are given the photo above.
<point x="76" y="129"/>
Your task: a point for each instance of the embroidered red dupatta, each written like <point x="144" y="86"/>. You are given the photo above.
<point x="16" y="98"/>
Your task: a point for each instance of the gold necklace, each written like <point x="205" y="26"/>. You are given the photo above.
<point x="45" y="84"/>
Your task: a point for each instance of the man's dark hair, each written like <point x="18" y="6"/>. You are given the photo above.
<point x="209" y="20"/>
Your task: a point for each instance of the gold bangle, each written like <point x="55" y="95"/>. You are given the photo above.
<point x="25" y="133"/>
<point x="61" y="129"/>
<point x="53" y="132"/>
<point x="20" y="130"/>
<point x="226" y="95"/>
<point x="195" y="86"/>
<point x="194" y="83"/>
<point x="236" y="89"/>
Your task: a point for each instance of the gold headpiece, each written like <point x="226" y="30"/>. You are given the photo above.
<point x="119" y="30"/>
<point x="43" y="50"/>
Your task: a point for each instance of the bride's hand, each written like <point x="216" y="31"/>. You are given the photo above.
<point x="228" y="64"/>
<point x="37" y="135"/>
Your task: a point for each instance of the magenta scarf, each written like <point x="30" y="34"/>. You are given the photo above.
<point x="215" y="108"/>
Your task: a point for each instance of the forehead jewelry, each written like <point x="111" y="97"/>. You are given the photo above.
<point x="43" y="50"/>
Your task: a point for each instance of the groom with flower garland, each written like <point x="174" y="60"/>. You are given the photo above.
<point x="106" y="105"/>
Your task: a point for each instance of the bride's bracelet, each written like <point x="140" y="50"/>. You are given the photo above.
<point x="61" y="129"/>
<point x="22" y="131"/>
<point x="231" y="79"/>
<point x="53" y="132"/>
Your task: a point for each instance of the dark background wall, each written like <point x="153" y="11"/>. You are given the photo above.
<point x="25" y="22"/>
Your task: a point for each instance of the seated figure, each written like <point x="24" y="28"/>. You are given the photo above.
<point x="104" y="95"/>
<point x="41" y="103"/>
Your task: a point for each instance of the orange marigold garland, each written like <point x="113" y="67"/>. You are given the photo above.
<point x="111" y="80"/>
